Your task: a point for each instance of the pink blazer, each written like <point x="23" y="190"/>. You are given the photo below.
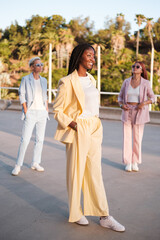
<point x="145" y="94"/>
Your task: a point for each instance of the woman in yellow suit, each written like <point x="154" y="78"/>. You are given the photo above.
<point x="76" y="108"/>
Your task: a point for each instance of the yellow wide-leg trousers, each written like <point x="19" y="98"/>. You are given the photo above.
<point x="84" y="171"/>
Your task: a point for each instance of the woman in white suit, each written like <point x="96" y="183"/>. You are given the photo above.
<point x="76" y="108"/>
<point x="33" y="97"/>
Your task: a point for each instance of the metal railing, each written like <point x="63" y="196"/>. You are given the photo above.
<point x="54" y="91"/>
<point x="117" y="93"/>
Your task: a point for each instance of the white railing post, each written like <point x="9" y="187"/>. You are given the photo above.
<point x="151" y="73"/>
<point x="50" y="74"/>
<point x="99" y="70"/>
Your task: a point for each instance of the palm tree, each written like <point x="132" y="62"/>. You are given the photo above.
<point x="117" y="42"/>
<point x="81" y="28"/>
<point x="35" y="25"/>
<point x="66" y="40"/>
<point x="149" y="27"/>
<point x="139" y="20"/>
<point x="34" y="43"/>
<point x="58" y="47"/>
<point x="47" y="38"/>
<point x="156" y="29"/>
<point x="120" y="21"/>
<point x="24" y="50"/>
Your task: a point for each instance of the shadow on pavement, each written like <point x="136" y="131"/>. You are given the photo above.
<point x="113" y="164"/>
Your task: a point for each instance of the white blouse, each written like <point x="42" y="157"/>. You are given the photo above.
<point x="38" y="99"/>
<point x="133" y="94"/>
<point x="91" y="98"/>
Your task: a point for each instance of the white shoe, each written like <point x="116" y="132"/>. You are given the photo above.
<point x="83" y="221"/>
<point x="135" y="167"/>
<point x="128" y="167"/>
<point x="110" y="222"/>
<point x="37" y="167"/>
<point x="16" y="170"/>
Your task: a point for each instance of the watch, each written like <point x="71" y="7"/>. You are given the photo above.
<point x="75" y="127"/>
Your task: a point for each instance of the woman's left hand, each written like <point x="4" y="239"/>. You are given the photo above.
<point x="140" y="105"/>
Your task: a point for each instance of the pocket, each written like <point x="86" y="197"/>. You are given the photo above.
<point x="27" y="113"/>
<point x="77" y="127"/>
<point x="98" y="131"/>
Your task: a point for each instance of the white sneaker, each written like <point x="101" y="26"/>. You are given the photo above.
<point x="37" y="167"/>
<point x="16" y="170"/>
<point x="82" y="221"/>
<point x="110" y="222"/>
<point x="135" y="167"/>
<point x="128" y="167"/>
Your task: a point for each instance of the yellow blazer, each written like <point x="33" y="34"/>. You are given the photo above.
<point x="68" y="105"/>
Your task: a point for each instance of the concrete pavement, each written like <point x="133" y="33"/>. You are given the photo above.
<point x="34" y="205"/>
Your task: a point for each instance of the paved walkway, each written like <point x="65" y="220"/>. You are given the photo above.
<point x="34" y="205"/>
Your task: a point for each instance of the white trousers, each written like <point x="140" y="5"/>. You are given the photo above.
<point x="132" y="150"/>
<point x="84" y="171"/>
<point x="37" y="119"/>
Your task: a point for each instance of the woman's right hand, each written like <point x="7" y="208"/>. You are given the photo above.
<point x="25" y="107"/>
<point x="125" y="107"/>
<point x="25" y="111"/>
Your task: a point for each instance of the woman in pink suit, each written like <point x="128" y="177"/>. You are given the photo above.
<point x="134" y="99"/>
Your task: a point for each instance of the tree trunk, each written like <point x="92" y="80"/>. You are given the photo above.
<point x="58" y="58"/>
<point x="62" y="60"/>
<point x="67" y="60"/>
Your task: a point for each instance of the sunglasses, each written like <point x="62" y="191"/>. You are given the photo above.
<point x="136" y="66"/>
<point x="39" y="64"/>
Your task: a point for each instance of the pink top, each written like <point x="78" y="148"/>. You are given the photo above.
<point x="146" y="93"/>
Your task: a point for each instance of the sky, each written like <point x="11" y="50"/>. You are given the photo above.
<point x="97" y="10"/>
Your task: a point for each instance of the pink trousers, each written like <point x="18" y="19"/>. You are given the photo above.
<point x="132" y="131"/>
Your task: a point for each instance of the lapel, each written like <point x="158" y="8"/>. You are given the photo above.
<point x="141" y="90"/>
<point x="31" y="81"/>
<point x="42" y="84"/>
<point x="126" y="88"/>
<point x="78" y="88"/>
